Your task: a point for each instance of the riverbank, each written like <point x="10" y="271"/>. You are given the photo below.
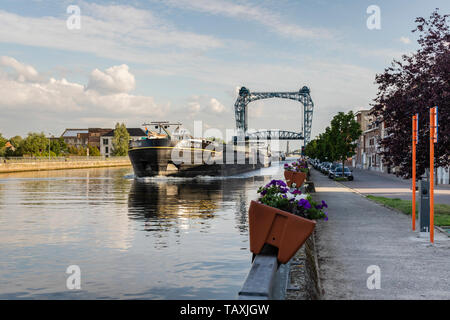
<point x="22" y="165"/>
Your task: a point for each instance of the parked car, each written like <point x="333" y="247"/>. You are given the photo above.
<point x="326" y="166"/>
<point x="333" y="167"/>
<point x="337" y="172"/>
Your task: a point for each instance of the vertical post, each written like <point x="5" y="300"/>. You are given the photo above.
<point x="414" y="142"/>
<point x="49" y="139"/>
<point x="432" y="140"/>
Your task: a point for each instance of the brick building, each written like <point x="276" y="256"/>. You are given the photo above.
<point x="84" y="137"/>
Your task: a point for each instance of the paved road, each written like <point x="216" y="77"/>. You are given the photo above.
<point x="361" y="233"/>
<point x="388" y="185"/>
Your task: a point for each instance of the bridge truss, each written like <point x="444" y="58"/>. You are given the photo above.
<point x="274" y="135"/>
<point x="302" y="96"/>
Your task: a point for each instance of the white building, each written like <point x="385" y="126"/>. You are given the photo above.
<point x="106" y="145"/>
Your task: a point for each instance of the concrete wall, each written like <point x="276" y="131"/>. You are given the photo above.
<point x="12" y="166"/>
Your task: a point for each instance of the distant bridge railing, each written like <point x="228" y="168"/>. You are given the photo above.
<point x="275" y="135"/>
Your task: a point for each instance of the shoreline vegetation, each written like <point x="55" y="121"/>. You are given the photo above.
<point x="441" y="211"/>
<point x="9" y="165"/>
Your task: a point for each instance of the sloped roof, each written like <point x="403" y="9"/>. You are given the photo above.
<point x="73" y="132"/>
<point x="133" y="132"/>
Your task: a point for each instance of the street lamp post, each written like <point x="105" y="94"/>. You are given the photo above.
<point x="49" y="140"/>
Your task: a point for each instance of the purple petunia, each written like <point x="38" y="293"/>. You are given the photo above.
<point x="324" y="204"/>
<point x="284" y="190"/>
<point x="304" y="203"/>
<point x="280" y="183"/>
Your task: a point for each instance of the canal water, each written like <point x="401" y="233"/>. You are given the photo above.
<point x="155" y="238"/>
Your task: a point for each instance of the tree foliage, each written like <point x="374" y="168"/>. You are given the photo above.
<point x="345" y="130"/>
<point x="93" y="151"/>
<point x="120" y="140"/>
<point x="337" y="143"/>
<point x="35" y="144"/>
<point x="2" y="145"/>
<point x="413" y="85"/>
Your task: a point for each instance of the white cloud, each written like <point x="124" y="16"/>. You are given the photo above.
<point x="216" y="106"/>
<point x="136" y="35"/>
<point x="109" y="31"/>
<point x="194" y="107"/>
<point x="24" y="72"/>
<point x="251" y="12"/>
<point x="203" y="105"/>
<point x="108" y="97"/>
<point x="405" y="40"/>
<point x="117" y="79"/>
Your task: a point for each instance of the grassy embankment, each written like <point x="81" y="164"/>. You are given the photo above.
<point x="441" y="211"/>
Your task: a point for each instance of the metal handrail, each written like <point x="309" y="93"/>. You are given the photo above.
<point x="267" y="279"/>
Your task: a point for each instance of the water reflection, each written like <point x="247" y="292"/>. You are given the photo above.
<point x="162" y="200"/>
<point x="176" y="207"/>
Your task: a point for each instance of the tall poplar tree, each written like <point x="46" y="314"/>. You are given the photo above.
<point x="120" y="140"/>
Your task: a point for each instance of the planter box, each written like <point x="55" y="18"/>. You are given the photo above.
<point x="294" y="177"/>
<point x="279" y="228"/>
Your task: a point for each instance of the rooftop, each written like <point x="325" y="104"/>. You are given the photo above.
<point x="133" y="132"/>
<point x="73" y="132"/>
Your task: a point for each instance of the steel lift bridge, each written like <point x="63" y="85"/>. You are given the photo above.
<point x="302" y="96"/>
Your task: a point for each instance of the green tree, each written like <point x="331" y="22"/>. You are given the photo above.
<point x="321" y="148"/>
<point x="62" y="145"/>
<point x="93" y="151"/>
<point x="344" y="132"/>
<point x="311" y="149"/>
<point x="2" y="145"/>
<point x="120" y="140"/>
<point x="34" y="144"/>
<point x="15" y="142"/>
<point x="55" y="147"/>
<point x="78" y="151"/>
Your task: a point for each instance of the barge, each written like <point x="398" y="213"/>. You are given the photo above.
<point x="178" y="154"/>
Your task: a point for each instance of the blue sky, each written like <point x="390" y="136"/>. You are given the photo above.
<point x="137" y="61"/>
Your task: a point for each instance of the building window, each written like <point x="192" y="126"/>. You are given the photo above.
<point x="106" y="150"/>
<point x="105" y="142"/>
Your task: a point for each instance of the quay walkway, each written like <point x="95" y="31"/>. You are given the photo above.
<point x="361" y="233"/>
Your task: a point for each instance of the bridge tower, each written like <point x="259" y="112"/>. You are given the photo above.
<point x="245" y="97"/>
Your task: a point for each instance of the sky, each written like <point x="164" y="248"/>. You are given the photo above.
<point x="185" y="60"/>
